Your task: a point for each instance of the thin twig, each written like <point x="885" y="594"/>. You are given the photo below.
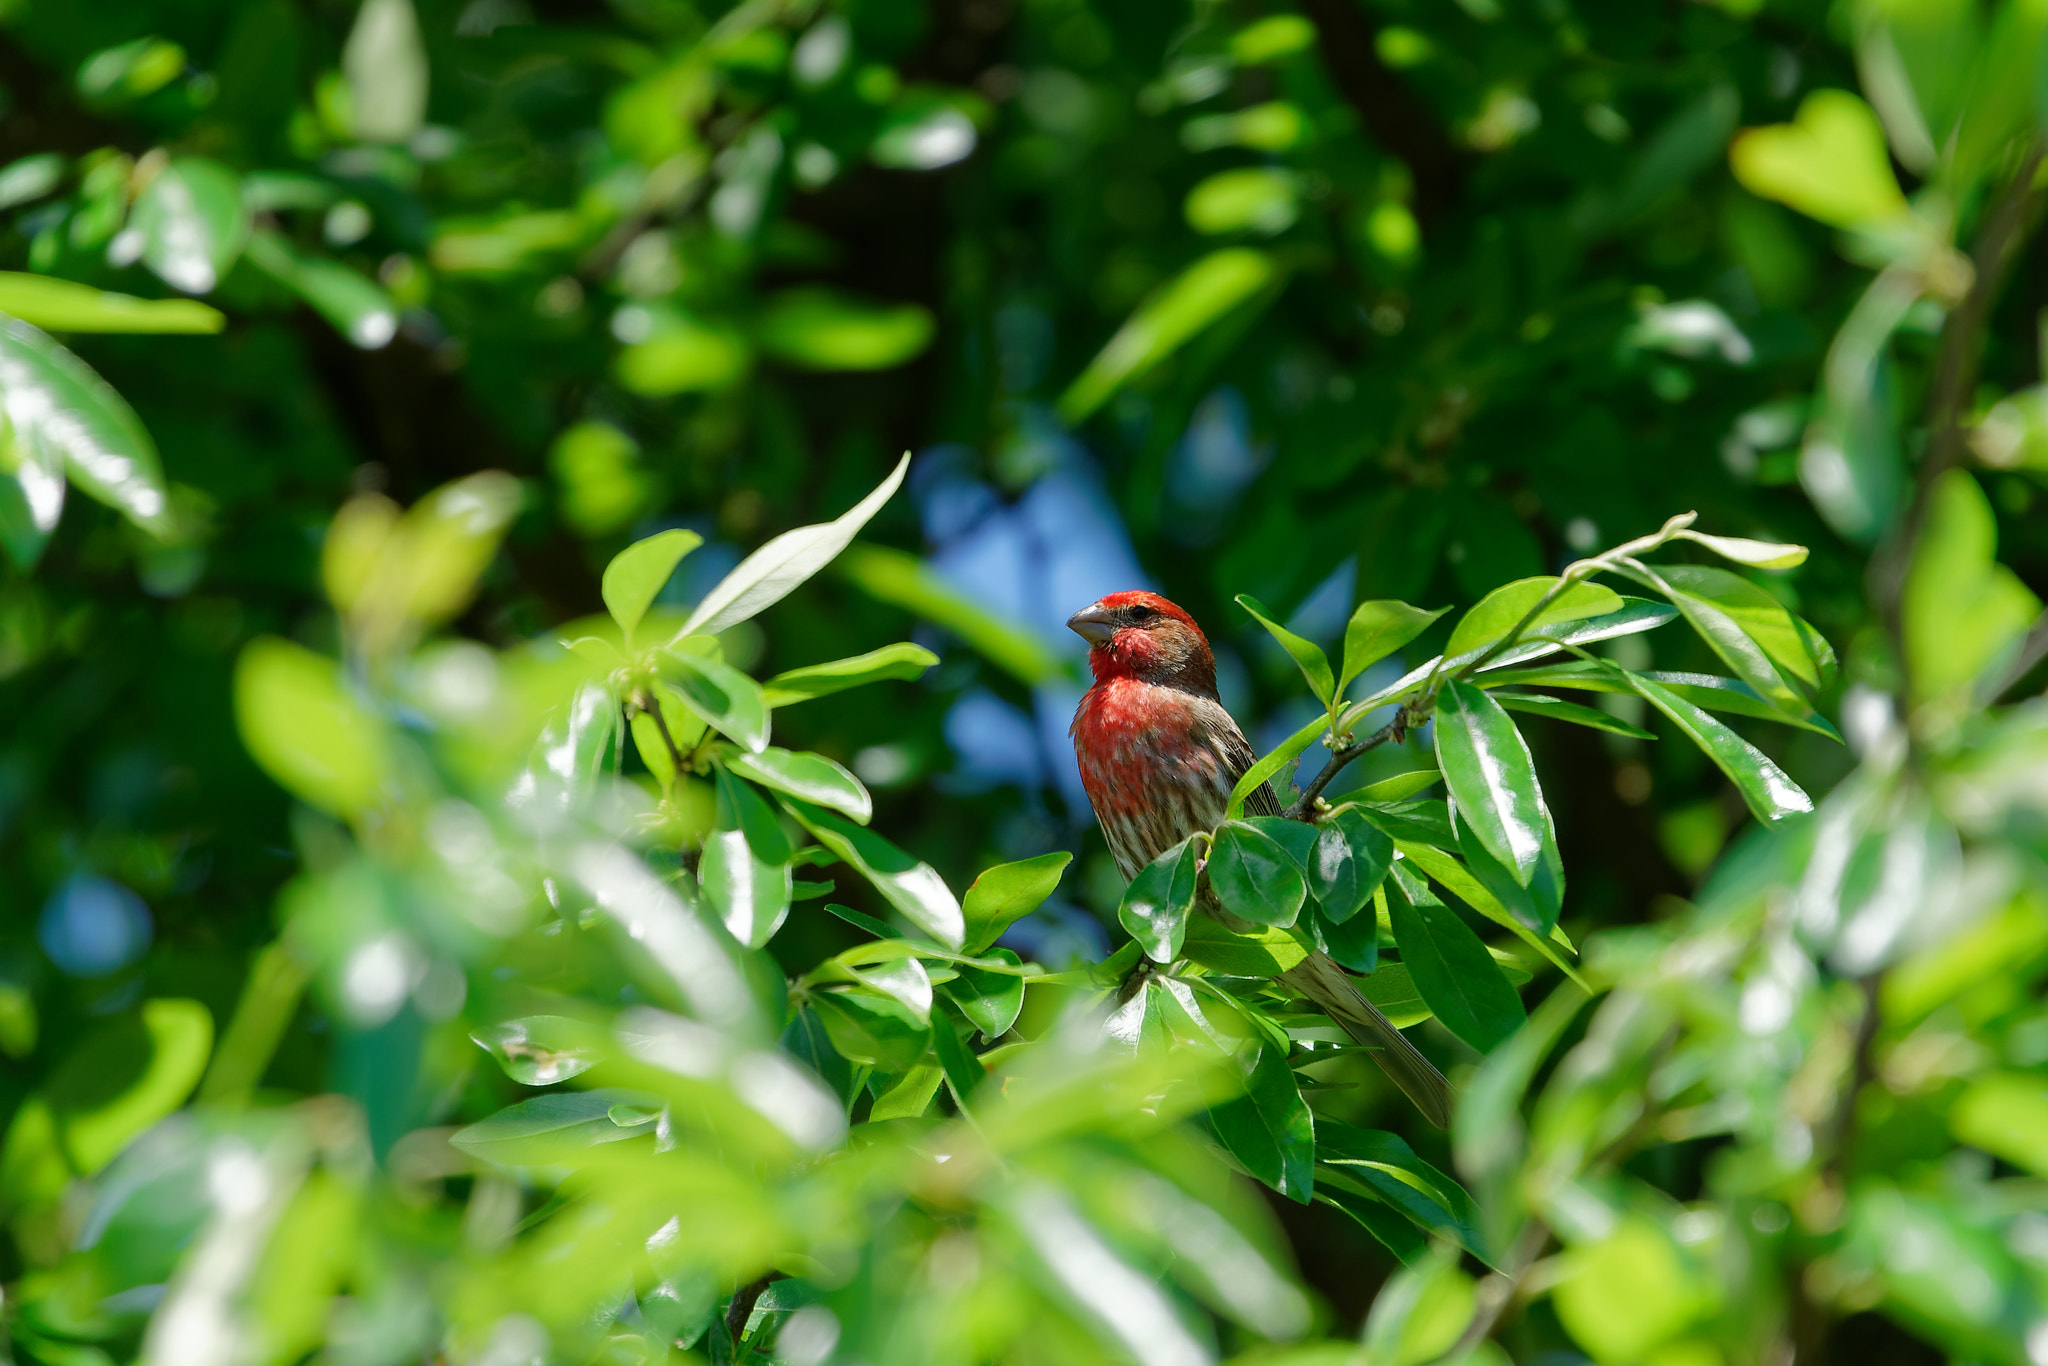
<point x="1393" y="730"/>
<point x="1954" y="387"/>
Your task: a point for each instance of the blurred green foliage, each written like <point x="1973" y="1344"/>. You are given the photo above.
<point x="491" y="881"/>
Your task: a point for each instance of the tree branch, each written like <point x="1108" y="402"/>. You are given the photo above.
<point x="1395" y="730"/>
<point x="1954" y="387"/>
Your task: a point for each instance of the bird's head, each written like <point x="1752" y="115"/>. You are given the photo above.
<point x="1141" y="635"/>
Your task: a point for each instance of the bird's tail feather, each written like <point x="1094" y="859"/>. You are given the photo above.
<point x="1329" y="986"/>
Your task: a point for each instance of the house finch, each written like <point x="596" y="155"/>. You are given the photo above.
<point x="1159" y="757"/>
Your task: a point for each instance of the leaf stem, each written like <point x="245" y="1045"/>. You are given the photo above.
<point x="1395" y="730"/>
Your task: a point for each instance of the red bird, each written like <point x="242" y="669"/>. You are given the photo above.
<point x="1159" y="758"/>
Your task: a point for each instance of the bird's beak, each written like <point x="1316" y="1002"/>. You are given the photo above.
<point x="1093" y="625"/>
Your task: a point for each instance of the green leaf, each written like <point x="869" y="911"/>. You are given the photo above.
<point x="1537" y="905"/>
<point x="1633" y="1290"/>
<point x="355" y="306"/>
<point x="912" y="887"/>
<point x="1266" y="953"/>
<point x="869" y="1027"/>
<point x="1172" y="317"/>
<point x="684" y="729"/>
<point x="1395" y="1233"/>
<point x="385" y="61"/>
<point x="823" y="329"/>
<point x="1289" y="749"/>
<point x="1454" y="877"/>
<point x="1389" y="1168"/>
<point x="721" y="696"/>
<point x="901" y="661"/>
<point x="1501" y="610"/>
<point x="192" y="222"/>
<point x="771" y="573"/>
<point x="1486" y="766"/>
<point x="1269" y="1129"/>
<point x="1400" y="786"/>
<point x="1314" y="664"/>
<point x="991" y="1000"/>
<point x="638" y="573"/>
<point x="1425" y="821"/>
<point x="1770" y="794"/>
<point x="1962" y="610"/>
<point x="1830" y="163"/>
<point x="1709" y="691"/>
<point x="65" y="306"/>
<point x="1008" y="892"/>
<point x="1254" y="876"/>
<point x="64" y="416"/>
<point x="1353" y="943"/>
<point x="2005" y="1114"/>
<point x="964" y="1072"/>
<point x="1755" y="554"/>
<point x="1748" y="628"/>
<point x="808" y="777"/>
<point x="1376" y="630"/>
<point x="750" y="894"/>
<point x="558" y="1127"/>
<point x="540" y="1050"/>
<point x="1350" y="859"/>
<point x="1557" y="709"/>
<point x="303" y="724"/>
<point x="1157" y="903"/>
<point x="1633" y="617"/>
<point x="898" y="577"/>
<point x="1298" y="838"/>
<point x="1454" y="973"/>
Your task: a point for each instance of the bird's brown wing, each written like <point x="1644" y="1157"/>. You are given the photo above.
<point x="1240" y="755"/>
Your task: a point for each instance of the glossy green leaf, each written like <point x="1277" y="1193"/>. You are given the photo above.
<point x="1309" y="656"/>
<point x="66" y="306"/>
<point x="679" y="727"/>
<point x="1376" y="630"/>
<point x="1386" y="1165"/>
<point x="807" y="777"/>
<point x="899" y="661"/>
<point x="1297" y="838"/>
<point x="1353" y="943"/>
<point x="192" y="222"/>
<point x="303" y="723"/>
<point x="540" y="1050"/>
<point x="1156" y="905"/>
<point x="575" y="743"/>
<point x="1748" y="628"/>
<point x="1454" y="973"/>
<point x="721" y="696"/>
<point x="911" y="1095"/>
<point x="1426" y="820"/>
<point x="1269" y="1129"/>
<point x="1536" y="905"/>
<point x="1629" y="1292"/>
<point x="872" y="1028"/>
<point x="639" y="572"/>
<point x="1197" y="298"/>
<point x="1454" y="877"/>
<point x="1280" y="757"/>
<point x="774" y="571"/>
<point x="1400" y="787"/>
<point x="1265" y="953"/>
<point x="1381" y="1220"/>
<point x="556" y="1127"/>
<point x="1708" y="691"/>
<point x="1633" y="617"/>
<point x="1254" y="877"/>
<point x="750" y="894"/>
<point x="964" y="1072"/>
<point x="912" y="887"/>
<point x="1486" y="766"/>
<point x="1755" y="554"/>
<point x="991" y="1000"/>
<point x="1764" y="787"/>
<point x="1830" y="163"/>
<point x="1500" y="611"/>
<point x="898" y="577"/>
<point x="1007" y="893"/>
<point x="1557" y="709"/>
<point x="62" y="415"/>
<point x="355" y="306"/>
<point x="821" y="329"/>
<point x="1350" y="859"/>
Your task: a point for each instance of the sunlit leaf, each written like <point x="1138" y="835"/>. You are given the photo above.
<point x="305" y="726"/>
<point x="1278" y="758"/>
<point x="1197" y="298"/>
<point x="1487" y="767"/>
<point x="826" y="330"/>
<point x="1454" y="973"/>
<point x="1500" y="611"/>
<point x="639" y="572"/>
<point x="556" y="1127"/>
<point x="899" y="661"/>
<point x="539" y="1050"/>
<point x="808" y="777"/>
<point x="1376" y="630"/>
<point x="355" y="306"/>
<point x="1254" y="877"/>
<point x="192" y="222"/>
<point x="1756" y="554"/>
<point x="721" y="696"/>
<point x="1830" y="163"/>
<point x="1350" y="859"/>
<point x="991" y="1000"/>
<point x="912" y="887"/>
<point x="1556" y="708"/>
<point x="1006" y="893"/>
<point x="1315" y="666"/>
<point x="1269" y="1129"/>
<point x="1156" y="906"/>
<point x="64" y="306"/>
<point x="772" y="572"/>
<point x="1764" y="787"/>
